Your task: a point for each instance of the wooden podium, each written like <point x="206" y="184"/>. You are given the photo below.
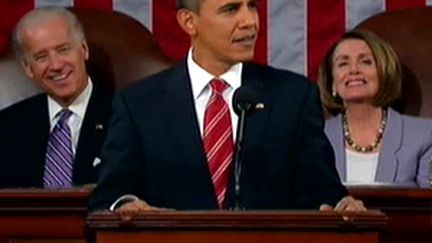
<point x="43" y="214"/>
<point x="230" y="227"/>
<point x="409" y="211"/>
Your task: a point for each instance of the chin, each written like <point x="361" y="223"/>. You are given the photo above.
<point x="356" y="96"/>
<point x="245" y="57"/>
<point x="358" y="100"/>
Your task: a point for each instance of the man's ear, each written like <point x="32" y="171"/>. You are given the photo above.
<point x="187" y="21"/>
<point x="85" y="48"/>
<point x="27" y="68"/>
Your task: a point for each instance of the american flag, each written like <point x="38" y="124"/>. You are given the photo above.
<point x="295" y="34"/>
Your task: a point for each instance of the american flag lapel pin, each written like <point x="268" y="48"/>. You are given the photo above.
<point x="259" y="106"/>
<point x="96" y="162"/>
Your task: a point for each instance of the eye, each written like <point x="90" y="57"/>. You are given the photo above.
<point x="253" y="5"/>
<point x="63" y="50"/>
<point x="230" y="9"/>
<point x="341" y="64"/>
<point x="367" y="61"/>
<point x="40" y="58"/>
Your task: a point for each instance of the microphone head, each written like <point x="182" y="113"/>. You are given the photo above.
<point x="244" y="100"/>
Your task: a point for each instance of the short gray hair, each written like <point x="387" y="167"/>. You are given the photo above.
<point x="39" y="15"/>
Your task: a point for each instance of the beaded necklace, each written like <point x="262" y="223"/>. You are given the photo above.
<point x="367" y="148"/>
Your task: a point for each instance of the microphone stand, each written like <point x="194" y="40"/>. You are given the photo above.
<point x="243" y="102"/>
<point x="237" y="160"/>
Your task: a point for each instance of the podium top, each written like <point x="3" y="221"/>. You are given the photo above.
<point x="270" y="220"/>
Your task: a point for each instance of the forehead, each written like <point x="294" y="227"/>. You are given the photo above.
<point x="352" y="47"/>
<point x="46" y="33"/>
<point x="52" y="25"/>
<point x="216" y="3"/>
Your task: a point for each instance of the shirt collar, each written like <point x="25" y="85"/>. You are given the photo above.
<point x="200" y="77"/>
<point x="78" y="106"/>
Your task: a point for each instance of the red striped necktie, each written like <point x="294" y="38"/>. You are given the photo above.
<point x="218" y="138"/>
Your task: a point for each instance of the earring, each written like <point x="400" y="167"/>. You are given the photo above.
<point x="334" y="94"/>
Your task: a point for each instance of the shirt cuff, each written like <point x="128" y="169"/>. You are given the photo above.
<point x="122" y="200"/>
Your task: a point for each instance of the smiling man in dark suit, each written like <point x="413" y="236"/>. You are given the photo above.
<point x="53" y="139"/>
<point x="162" y="150"/>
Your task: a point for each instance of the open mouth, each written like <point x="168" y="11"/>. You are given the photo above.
<point x="355" y="82"/>
<point x="247" y="40"/>
<point x="60" y="77"/>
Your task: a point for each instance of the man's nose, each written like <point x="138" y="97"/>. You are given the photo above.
<point x="55" y="62"/>
<point x="249" y="17"/>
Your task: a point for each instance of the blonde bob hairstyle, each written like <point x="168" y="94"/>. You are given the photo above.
<point x="389" y="72"/>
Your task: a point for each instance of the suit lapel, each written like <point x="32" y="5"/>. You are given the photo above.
<point x="392" y="138"/>
<point x="40" y="119"/>
<point x="336" y="137"/>
<point x="256" y="121"/>
<point x="183" y="122"/>
<point x="91" y="136"/>
<point x="254" y="124"/>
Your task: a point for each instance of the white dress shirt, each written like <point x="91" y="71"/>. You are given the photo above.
<point x="200" y="80"/>
<point x="78" y="109"/>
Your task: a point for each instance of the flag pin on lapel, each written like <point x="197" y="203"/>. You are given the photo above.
<point x="99" y="127"/>
<point x="96" y="161"/>
<point x="259" y="106"/>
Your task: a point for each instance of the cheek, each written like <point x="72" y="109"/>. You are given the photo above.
<point x="339" y="87"/>
<point x="79" y="67"/>
<point x="376" y="86"/>
<point x="38" y="71"/>
<point x="338" y="76"/>
<point x="217" y="38"/>
<point x="373" y="78"/>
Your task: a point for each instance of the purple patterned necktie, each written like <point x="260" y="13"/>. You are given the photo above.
<point x="59" y="155"/>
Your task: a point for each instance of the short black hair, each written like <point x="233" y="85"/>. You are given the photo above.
<point x="193" y="5"/>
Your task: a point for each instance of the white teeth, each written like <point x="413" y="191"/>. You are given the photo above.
<point x="356" y="82"/>
<point x="59" y="77"/>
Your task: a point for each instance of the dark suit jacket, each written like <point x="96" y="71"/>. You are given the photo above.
<point x="154" y="148"/>
<point x="24" y="131"/>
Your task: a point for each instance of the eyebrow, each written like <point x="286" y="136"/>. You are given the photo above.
<point x="345" y="56"/>
<point x="37" y="54"/>
<point x="339" y="57"/>
<point x="236" y="4"/>
<point x="56" y="47"/>
<point x="63" y="45"/>
<point x="229" y="5"/>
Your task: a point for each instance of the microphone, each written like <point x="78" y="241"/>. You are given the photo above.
<point x="244" y="101"/>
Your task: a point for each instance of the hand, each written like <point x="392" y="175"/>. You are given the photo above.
<point x="136" y="206"/>
<point x="347" y="204"/>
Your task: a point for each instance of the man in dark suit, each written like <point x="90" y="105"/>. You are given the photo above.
<point x="51" y="46"/>
<point x="157" y="153"/>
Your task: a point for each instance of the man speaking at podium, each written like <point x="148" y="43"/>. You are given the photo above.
<point x="171" y="139"/>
